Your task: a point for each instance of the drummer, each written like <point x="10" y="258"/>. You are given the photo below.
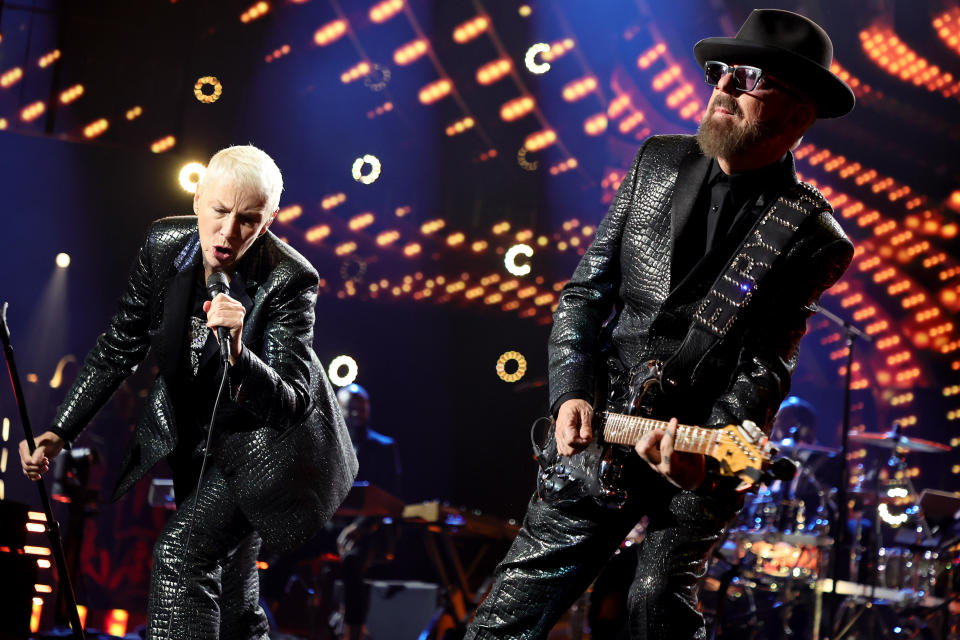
<point x="796" y="421"/>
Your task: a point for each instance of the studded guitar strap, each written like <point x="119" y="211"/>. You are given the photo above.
<point x="743" y="275"/>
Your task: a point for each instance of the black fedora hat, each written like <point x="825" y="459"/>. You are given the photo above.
<point x="789" y="46"/>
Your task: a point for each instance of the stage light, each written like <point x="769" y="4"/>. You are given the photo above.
<point x="402" y="211"/>
<point x="343" y="370"/>
<point x="69" y="95"/>
<point x="190" y="176"/>
<point x="318" y="233"/>
<point x="3" y="123"/>
<point x="278" y="53"/>
<point x="410" y="52"/>
<point x="558" y="49"/>
<point x="377" y="78"/>
<point x="258" y="10"/>
<point x="432" y="226"/>
<point x="345" y="248"/>
<point x="540" y="140"/>
<point x="333" y="200"/>
<point x="361" y="221"/>
<point x="369" y="177"/>
<point x="163" y="144"/>
<point x="516" y="108"/>
<point x="456" y="238"/>
<point x="386" y="238"/>
<point x="478" y="246"/>
<point x="115" y="622"/>
<point x="510" y="259"/>
<point x="48" y="59"/>
<point x="501" y="227"/>
<point x="11" y="77"/>
<point x="470" y="29"/>
<point x="665" y="78"/>
<point x="330" y="32"/>
<point x="435" y="91"/>
<point x="215" y="91"/>
<point x="383" y="11"/>
<point x="460" y="126"/>
<point x="134" y="113"/>
<point x="562" y="167"/>
<point x="63" y="260"/>
<point x="650" y="55"/>
<point x="386" y="107"/>
<point x="32" y="111"/>
<point x="36" y="610"/>
<point x="530" y="59"/>
<point x="413" y="249"/>
<point x="524" y="10"/>
<point x="290" y="213"/>
<point x="518" y="373"/>
<point x="578" y="89"/>
<point x="493" y="71"/>
<point x="595" y="124"/>
<point x="355" y="72"/>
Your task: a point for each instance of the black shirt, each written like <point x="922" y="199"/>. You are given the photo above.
<point x="722" y="206"/>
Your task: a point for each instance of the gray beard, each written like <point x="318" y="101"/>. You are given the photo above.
<point x="728" y="137"/>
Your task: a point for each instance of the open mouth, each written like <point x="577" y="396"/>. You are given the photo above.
<point x="222" y="253"/>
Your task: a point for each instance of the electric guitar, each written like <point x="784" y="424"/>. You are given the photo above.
<point x="742" y="451"/>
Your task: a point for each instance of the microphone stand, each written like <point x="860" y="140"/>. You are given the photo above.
<point x="840" y="531"/>
<point x="52" y="527"/>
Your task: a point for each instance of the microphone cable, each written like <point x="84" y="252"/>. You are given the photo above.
<point x="196" y="493"/>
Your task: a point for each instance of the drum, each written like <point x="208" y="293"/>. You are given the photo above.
<point x="922" y="571"/>
<point x="779" y="535"/>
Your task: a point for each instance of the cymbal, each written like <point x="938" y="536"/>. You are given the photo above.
<point x="892" y="441"/>
<point x="793" y="445"/>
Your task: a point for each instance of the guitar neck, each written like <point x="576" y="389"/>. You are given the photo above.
<point x="619" y="428"/>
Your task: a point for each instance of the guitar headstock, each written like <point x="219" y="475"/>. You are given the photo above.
<point x="742" y="451"/>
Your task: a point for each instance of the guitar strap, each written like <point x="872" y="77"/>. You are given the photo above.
<point x="734" y="288"/>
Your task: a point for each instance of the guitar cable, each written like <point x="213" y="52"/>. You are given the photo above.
<point x="538" y="451"/>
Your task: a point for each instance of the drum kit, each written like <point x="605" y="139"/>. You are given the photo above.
<point x="898" y="573"/>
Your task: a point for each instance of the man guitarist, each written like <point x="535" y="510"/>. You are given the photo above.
<point x="675" y="261"/>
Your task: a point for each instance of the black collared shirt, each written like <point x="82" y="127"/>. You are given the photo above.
<point x="722" y="206"/>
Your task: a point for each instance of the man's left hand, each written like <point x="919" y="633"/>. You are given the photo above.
<point x="224" y="311"/>
<point x="685" y="470"/>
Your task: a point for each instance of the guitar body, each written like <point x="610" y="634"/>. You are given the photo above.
<point x="597" y="471"/>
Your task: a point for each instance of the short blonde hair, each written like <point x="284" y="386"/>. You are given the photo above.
<point x="248" y="167"/>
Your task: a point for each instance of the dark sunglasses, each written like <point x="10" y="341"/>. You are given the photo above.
<point x="745" y="78"/>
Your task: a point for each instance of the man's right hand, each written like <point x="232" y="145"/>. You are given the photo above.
<point x="49" y="445"/>
<point x="574" y="428"/>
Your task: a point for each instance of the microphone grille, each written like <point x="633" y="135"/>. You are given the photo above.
<point x="217" y="283"/>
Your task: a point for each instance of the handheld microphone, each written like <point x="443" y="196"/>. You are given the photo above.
<point x="219" y="283"/>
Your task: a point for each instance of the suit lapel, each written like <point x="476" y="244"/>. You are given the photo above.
<point x="175" y="303"/>
<point x="692" y="173"/>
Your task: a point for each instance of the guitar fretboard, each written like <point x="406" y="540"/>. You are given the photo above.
<point x="619" y="428"/>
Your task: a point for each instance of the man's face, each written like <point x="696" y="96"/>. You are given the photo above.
<point x="230" y="218"/>
<point x="738" y="123"/>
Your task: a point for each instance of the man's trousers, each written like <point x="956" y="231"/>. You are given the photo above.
<point x="561" y="548"/>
